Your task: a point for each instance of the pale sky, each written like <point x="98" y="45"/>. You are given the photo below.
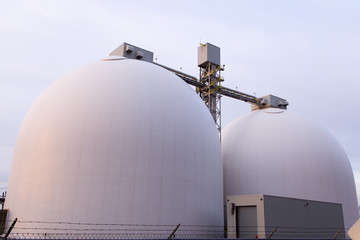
<point x="307" y="52"/>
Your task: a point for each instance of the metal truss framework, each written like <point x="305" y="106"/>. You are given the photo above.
<point x="210" y="78"/>
<point x="208" y="86"/>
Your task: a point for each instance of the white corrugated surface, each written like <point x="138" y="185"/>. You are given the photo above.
<point x="119" y="141"/>
<point x="281" y="153"/>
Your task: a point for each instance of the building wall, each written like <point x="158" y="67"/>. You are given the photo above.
<point x="236" y="201"/>
<point x="320" y="219"/>
<point x="284" y="218"/>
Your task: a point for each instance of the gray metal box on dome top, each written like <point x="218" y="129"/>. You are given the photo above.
<point x="130" y="51"/>
<point x="208" y="53"/>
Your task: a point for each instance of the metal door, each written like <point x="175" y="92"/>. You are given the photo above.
<point x="246" y="222"/>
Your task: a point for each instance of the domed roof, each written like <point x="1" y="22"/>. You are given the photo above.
<point x="118" y="141"/>
<point x="278" y="152"/>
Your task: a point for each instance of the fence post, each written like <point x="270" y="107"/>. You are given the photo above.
<point x="272" y="233"/>
<point x="11" y="227"/>
<point x="173" y="232"/>
<point x="337" y="233"/>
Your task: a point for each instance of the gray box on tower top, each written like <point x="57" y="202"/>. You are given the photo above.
<point x="208" y="53"/>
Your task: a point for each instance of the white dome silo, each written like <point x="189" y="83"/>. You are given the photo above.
<point x="118" y="141"/>
<point x="277" y="152"/>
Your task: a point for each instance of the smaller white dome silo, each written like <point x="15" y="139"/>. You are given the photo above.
<point x="281" y="153"/>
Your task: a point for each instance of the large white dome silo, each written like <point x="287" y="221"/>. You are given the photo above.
<point x="118" y="141"/>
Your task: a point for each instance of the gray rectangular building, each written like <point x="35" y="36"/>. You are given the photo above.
<point x="264" y="216"/>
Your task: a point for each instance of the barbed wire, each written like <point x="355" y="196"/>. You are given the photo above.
<point x="80" y="230"/>
<point x="161" y="225"/>
<point x="291" y="227"/>
<point x="116" y="224"/>
<point x="106" y="236"/>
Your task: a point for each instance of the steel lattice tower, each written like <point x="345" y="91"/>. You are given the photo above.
<point x="210" y="78"/>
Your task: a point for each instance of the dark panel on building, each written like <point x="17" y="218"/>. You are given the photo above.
<point x="3" y="214"/>
<point x="303" y="217"/>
